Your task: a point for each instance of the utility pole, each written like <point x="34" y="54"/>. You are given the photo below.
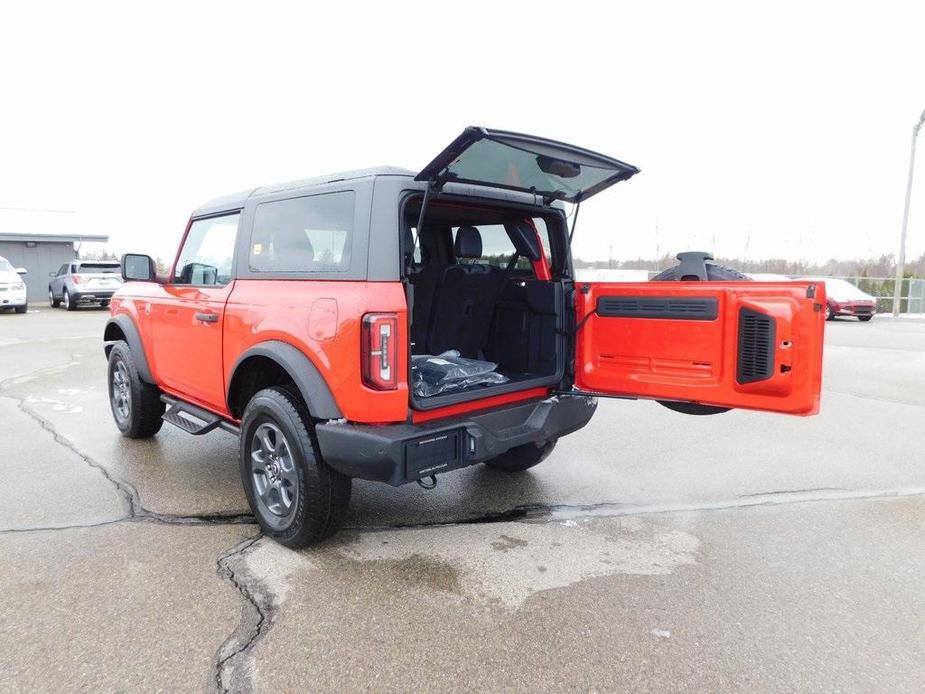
<point x="901" y="264"/>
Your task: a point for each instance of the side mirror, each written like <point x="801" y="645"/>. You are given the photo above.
<point x="138" y="268"/>
<point x="52" y="274"/>
<point x="22" y="271"/>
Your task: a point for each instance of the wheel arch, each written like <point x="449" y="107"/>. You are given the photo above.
<point x="290" y="361"/>
<point x="123" y="328"/>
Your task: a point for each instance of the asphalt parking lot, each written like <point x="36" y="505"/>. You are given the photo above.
<point x="652" y="551"/>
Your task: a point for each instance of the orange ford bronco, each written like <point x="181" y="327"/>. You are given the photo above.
<point x="394" y="326"/>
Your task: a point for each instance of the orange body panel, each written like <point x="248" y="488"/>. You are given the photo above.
<point x="321" y="318"/>
<point x="193" y="360"/>
<point x="695" y="360"/>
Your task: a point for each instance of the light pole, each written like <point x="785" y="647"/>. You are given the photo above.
<point x="901" y="265"/>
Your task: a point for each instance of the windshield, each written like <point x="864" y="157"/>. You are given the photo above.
<point x="840" y="289"/>
<point x="5" y="266"/>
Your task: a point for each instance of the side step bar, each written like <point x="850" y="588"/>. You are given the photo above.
<point x="194" y="420"/>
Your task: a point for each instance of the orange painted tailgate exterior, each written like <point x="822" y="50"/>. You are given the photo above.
<point x="697" y="360"/>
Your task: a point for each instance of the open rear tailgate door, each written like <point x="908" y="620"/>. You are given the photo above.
<point x="751" y="345"/>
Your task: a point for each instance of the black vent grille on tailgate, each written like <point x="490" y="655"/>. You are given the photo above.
<point x="676" y="308"/>
<point x="756" y="346"/>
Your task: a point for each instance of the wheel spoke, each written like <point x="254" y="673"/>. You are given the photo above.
<point x="266" y="439"/>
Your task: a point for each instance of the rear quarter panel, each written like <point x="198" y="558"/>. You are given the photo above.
<point x="322" y="319"/>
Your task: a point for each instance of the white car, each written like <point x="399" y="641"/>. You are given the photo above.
<point x="12" y="288"/>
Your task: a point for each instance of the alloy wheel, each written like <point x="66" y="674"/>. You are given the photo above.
<point x="273" y="474"/>
<point x="121" y="392"/>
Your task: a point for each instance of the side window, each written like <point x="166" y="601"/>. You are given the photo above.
<point x="309" y="234"/>
<point x="497" y="248"/>
<point x="208" y="251"/>
<point x="62" y="270"/>
<point x="543" y="231"/>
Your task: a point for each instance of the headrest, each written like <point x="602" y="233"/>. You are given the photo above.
<point x="468" y="243"/>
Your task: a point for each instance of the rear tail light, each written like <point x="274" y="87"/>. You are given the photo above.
<point x="76" y="279"/>
<point x="379" y="352"/>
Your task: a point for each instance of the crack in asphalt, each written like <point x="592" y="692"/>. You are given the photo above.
<point x="232" y="673"/>
<point x="134" y="510"/>
<point x="561" y="512"/>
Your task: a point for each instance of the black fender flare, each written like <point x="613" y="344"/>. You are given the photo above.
<point x="128" y="328"/>
<point x="303" y="372"/>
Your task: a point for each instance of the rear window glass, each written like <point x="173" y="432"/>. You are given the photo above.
<point x="100" y="267"/>
<point x="310" y="234"/>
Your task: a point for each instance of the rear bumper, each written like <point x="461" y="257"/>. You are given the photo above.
<point x="400" y="453"/>
<point x="85" y="297"/>
<point x="855" y="310"/>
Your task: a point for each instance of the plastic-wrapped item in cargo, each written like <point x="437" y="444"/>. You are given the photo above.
<point x="434" y="375"/>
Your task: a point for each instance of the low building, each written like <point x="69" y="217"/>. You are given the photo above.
<point x="42" y="255"/>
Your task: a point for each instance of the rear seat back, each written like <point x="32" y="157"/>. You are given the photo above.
<point x="465" y="301"/>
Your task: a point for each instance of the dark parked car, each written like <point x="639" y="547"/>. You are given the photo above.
<point x="84" y="282"/>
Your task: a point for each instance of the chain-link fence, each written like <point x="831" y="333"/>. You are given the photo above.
<point x="881" y="288"/>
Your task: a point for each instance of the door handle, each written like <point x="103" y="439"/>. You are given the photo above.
<point x="207" y="317"/>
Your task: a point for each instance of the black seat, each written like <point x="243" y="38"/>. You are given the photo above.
<point x="424" y="279"/>
<point x="465" y="301"/>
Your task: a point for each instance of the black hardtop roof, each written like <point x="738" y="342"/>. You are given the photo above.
<point x="237" y="200"/>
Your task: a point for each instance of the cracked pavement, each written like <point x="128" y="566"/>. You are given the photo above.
<point x="652" y="551"/>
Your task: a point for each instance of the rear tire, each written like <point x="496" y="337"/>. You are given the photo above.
<point x="104" y="304"/>
<point x="714" y="273"/>
<point x="829" y="313"/>
<point x="21" y="309"/>
<point x="864" y="319"/>
<point x="522" y="457"/>
<point x="66" y="301"/>
<point x="136" y="406"/>
<point x="297" y="498"/>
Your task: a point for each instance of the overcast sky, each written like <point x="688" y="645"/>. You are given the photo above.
<point x="777" y="132"/>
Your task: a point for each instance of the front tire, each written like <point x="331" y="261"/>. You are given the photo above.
<point x="52" y="301"/>
<point x="829" y="313"/>
<point x="523" y="457"/>
<point x="864" y="319"/>
<point x="21" y="309"/>
<point x="297" y="498"/>
<point x="136" y="406"/>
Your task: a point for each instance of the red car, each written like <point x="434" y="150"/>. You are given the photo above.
<point x="844" y="299"/>
<point x="393" y="326"/>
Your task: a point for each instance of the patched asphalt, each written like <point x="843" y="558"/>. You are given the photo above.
<point x="651" y="551"/>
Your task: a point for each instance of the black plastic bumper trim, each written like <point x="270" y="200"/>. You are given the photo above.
<point x="401" y="453"/>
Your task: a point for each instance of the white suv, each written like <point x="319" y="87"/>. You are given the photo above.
<point x="12" y="288"/>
